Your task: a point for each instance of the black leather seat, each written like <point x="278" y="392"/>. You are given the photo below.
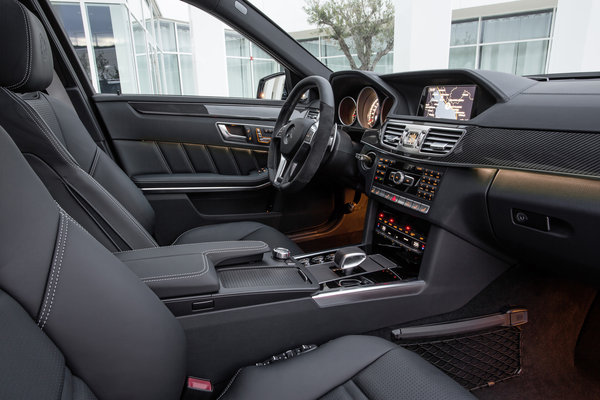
<point x="102" y="334"/>
<point x="82" y="178"/>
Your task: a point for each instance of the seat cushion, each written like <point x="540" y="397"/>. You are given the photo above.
<point x="246" y="230"/>
<point x="348" y="368"/>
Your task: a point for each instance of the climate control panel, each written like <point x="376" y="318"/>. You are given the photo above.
<point x="408" y="185"/>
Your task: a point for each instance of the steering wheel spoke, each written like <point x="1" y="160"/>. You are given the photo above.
<point x="281" y="169"/>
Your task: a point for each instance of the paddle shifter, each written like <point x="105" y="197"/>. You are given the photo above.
<point x="349" y="258"/>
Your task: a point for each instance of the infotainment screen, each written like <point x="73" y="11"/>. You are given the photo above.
<point x="448" y="101"/>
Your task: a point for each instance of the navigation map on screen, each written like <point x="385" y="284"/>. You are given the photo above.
<point x="451" y="102"/>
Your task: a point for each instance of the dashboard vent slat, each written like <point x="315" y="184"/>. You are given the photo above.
<point x="393" y="134"/>
<point x="441" y="141"/>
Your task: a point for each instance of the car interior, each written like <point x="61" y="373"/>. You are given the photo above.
<point x="351" y="239"/>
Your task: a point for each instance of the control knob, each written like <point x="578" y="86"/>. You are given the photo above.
<point x="281" y="253"/>
<point x="397" y="177"/>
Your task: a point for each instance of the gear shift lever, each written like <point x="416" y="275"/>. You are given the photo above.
<point x="348" y="258"/>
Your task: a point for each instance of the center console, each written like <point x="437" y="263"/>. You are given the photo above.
<point x="406" y="184"/>
<point x="199" y="278"/>
<point x="196" y="278"/>
<point x="394" y="256"/>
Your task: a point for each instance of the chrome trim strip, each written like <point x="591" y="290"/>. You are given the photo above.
<point x="348" y="296"/>
<point x="188" y="189"/>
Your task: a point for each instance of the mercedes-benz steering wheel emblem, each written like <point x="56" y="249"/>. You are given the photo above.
<point x="288" y="135"/>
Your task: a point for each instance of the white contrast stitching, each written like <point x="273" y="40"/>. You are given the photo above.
<point x="56" y="266"/>
<point x="229" y="384"/>
<point x="29" y="51"/>
<point x="204" y="270"/>
<point x="53" y="268"/>
<point x="62" y="253"/>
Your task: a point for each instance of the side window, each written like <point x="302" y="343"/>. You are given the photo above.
<point x="162" y="47"/>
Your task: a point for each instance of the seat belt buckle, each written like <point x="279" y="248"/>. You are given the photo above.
<point x="198" y="389"/>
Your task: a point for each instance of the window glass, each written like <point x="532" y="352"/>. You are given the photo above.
<point x="239" y="73"/>
<point x="464" y="33"/>
<point x="162" y="47"/>
<point x="187" y="74"/>
<point x="516" y="44"/>
<point x="144" y="75"/>
<point x="236" y="45"/>
<point x="167" y="36"/>
<point x="312" y="45"/>
<point x="516" y="27"/>
<point x="515" y="58"/>
<point x="184" y="40"/>
<point x="70" y="16"/>
<point x="462" y="57"/>
<point x="171" y="71"/>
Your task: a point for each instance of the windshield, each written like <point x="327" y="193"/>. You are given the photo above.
<point x="385" y="36"/>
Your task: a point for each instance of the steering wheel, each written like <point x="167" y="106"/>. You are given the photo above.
<point x="298" y="146"/>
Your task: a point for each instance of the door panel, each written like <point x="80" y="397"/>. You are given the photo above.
<point x="202" y="161"/>
<point x="153" y="157"/>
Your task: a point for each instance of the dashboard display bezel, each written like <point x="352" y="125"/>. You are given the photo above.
<point x="472" y="113"/>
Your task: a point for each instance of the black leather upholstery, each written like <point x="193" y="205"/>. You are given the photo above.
<point x="110" y="328"/>
<point x="348" y="368"/>
<point x="84" y="180"/>
<point x="26" y="55"/>
<point x="24" y="342"/>
<point x="111" y="338"/>
<point x="238" y="231"/>
<point x="186" y="270"/>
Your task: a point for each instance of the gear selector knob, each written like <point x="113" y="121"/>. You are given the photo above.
<point x="349" y="257"/>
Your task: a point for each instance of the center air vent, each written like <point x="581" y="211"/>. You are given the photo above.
<point x="440" y="140"/>
<point x="392" y="136"/>
<point x="415" y="138"/>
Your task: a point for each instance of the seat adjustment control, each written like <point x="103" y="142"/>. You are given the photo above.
<point x="305" y="348"/>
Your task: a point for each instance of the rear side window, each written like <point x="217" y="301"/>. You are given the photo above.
<point x="162" y="47"/>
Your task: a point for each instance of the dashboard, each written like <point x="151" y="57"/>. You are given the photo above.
<point x="504" y="162"/>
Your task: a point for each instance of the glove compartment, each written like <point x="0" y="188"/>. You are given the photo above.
<point x="547" y="219"/>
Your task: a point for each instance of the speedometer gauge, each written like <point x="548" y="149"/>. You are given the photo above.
<point x="368" y="107"/>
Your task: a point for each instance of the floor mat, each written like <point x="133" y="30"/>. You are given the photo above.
<point x="557" y="310"/>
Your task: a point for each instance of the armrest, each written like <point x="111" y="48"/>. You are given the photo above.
<point x="188" y="269"/>
<point x="201" y="180"/>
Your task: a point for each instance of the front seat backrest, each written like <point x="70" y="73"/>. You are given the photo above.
<point x="114" y="333"/>
<point x="80" y="176"/>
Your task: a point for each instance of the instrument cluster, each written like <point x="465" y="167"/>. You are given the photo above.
<point x="366" y="111"/>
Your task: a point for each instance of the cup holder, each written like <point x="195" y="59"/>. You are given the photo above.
<point x="349" y="282"/>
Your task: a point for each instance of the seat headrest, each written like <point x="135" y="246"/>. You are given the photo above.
<point x="26" y="64"/>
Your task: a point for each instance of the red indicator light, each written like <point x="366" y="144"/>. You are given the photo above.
<point x="408" y="228"/>
<point x="381" y="215"/>
<point x="391" y="220"/>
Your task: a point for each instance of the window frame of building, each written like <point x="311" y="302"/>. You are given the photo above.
<point x="479" y="45"/>
<point x="326" y="58"/>
<point x="154" y="53"/>
<point x="251" y="58"/>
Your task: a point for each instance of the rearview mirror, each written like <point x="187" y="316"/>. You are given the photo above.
<point x="272" y="87"/>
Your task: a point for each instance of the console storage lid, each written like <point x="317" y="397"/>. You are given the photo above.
<point x="189" y="269"/>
